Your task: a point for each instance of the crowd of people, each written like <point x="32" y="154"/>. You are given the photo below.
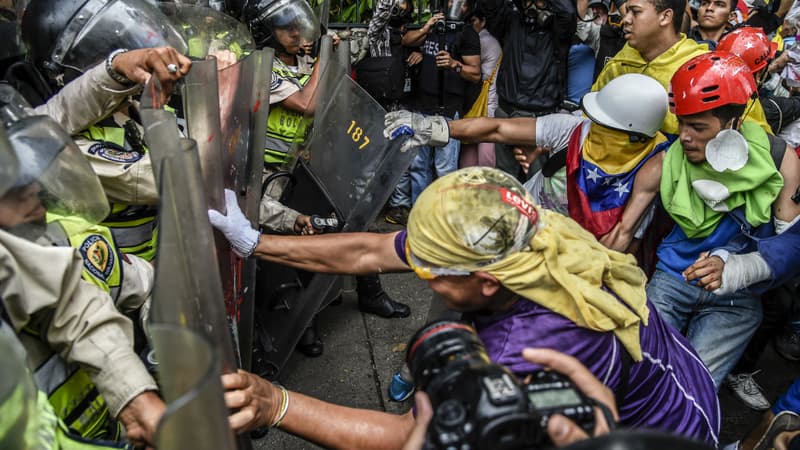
<point x="606" y="189"/>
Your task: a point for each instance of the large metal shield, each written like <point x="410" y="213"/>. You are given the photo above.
<point x="187" y="291"/>
<point x="244" y="107"/>
<point x="348" y="155"/>
<point x="347" y="167"/>
<point x="226" y="112"/>
<point x="207" y="30"/>
<point x="18" y="394"/>
<point x="196" y="416"/>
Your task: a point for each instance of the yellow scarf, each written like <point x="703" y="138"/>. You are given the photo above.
<point x="461" y="222"/>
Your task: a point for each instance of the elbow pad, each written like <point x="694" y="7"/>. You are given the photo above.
<point x="742" y="271"/>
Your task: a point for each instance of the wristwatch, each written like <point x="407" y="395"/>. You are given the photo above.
<point x="458" y="67"/>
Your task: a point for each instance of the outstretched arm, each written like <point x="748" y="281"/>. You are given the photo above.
<point x="350" y="253"/>
<point x="260" y="403"/>
<point x="519" y="131"/>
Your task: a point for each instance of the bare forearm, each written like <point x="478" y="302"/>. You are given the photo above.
<point x="471" y="73"/>
<point x="415" y="38"/>
<point x="348" y="253"/>
<point x="302" y="101"/>
<point x="339" y="427"/>
<point x="517" y="131"/>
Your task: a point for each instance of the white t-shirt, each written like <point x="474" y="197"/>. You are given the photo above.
<point x="553" y="131"/>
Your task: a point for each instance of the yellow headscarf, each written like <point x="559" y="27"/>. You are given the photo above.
<point x="481" y="219"/>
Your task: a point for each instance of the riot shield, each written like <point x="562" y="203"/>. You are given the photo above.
<point x="207" y="31"/>
<point x="187" y="291"/>
<point x="244" y="107"/>
<point x="18" y="407"/>
<point x="9" y="165"/>
<point x="350" y="168"/>
<point x="348" y="154"/>
<point x="226" y="110"/>
<point x="189" y="370"/>
<point x="10" y="16"/>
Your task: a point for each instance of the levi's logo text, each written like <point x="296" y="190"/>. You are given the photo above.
<point x="517" y="201"/>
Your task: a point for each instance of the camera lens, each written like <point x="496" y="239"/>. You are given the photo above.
<point x="441" y="343"/>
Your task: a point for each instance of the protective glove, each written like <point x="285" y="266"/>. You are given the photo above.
<point x="742" y="271"/>
<point x="422" y="129"/>
<point x="235" y="226"/>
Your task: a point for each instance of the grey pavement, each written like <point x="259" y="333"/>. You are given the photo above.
<point x="362" y="352"/>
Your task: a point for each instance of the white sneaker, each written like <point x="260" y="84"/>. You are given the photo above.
<point x="745" y="388"/>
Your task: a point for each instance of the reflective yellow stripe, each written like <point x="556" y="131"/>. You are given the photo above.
<point x="133" y="227"/>
<point x="74" y="398"/>
<point x="284" y="127"/>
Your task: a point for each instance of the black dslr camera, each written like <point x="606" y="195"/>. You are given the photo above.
<point x="480" y="405"/>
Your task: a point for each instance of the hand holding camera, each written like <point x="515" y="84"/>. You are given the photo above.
<point x="480" y="405"/>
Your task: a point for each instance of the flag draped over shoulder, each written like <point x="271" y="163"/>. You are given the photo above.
<point x="601" y="170"/>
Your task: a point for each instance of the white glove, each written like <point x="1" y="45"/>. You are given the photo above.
<point x="741" y="271"/>
<point x="422" y="129"/>
<point x="235" y="226"/>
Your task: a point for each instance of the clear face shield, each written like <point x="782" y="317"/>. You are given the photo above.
<point x="209" y="32"/>
<point x="9" y="166"/>
<point x="54" y="178"/>
<point x="10" y="16"/>
<point x="456" y="10"/>
<point x="292" y="23"/>
<point x="103" y="26"/>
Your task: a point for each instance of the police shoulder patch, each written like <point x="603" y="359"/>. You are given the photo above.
<point x="98" y="256"/>
<point x="115" y="153"/>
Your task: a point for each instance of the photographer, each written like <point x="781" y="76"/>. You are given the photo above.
<point x="451" y="63"/>
<point x="536" y="36"/>
<point x="333" y="426"/>
<point x="526" y="276"/>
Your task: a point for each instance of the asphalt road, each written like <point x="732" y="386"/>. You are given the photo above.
<point x="362" y="352"/>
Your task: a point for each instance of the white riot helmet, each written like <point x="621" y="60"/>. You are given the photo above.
<point x="633" y="103"/>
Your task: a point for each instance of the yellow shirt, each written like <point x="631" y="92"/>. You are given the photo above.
<point x="629" y="60"/>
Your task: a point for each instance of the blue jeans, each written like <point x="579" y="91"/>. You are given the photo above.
<point x="431" y="163"/>
<point x="401" y="196"/>
<point x="719" y="327"/>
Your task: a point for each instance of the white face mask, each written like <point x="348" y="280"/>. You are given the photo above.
<point x="727" y="151"/>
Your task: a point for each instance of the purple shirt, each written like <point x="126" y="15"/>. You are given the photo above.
<point x="670" y="389"/>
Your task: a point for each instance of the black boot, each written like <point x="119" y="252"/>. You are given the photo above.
<point x="373" y="300"/>
<point x="310" y="342"/>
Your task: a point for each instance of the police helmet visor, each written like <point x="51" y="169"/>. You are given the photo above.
<point x="49" y="159"/>
<point x="9" y="166"/>
<point x="207" y="31"/>
<point x="10" y="33"/>
<point x="103" y="26"/>
<point x="295" y="16"/>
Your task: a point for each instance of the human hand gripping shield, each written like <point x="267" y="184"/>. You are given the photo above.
<point x="421" y="129"/>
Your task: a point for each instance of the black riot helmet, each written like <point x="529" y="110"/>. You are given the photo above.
<point x="67" y="37"/>
<point x="265" y="18"/>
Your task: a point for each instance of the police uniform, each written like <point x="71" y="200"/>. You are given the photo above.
<point x="284" y="126"/>
<point x="79" y="344"/>
<point x="124" y="168"/>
